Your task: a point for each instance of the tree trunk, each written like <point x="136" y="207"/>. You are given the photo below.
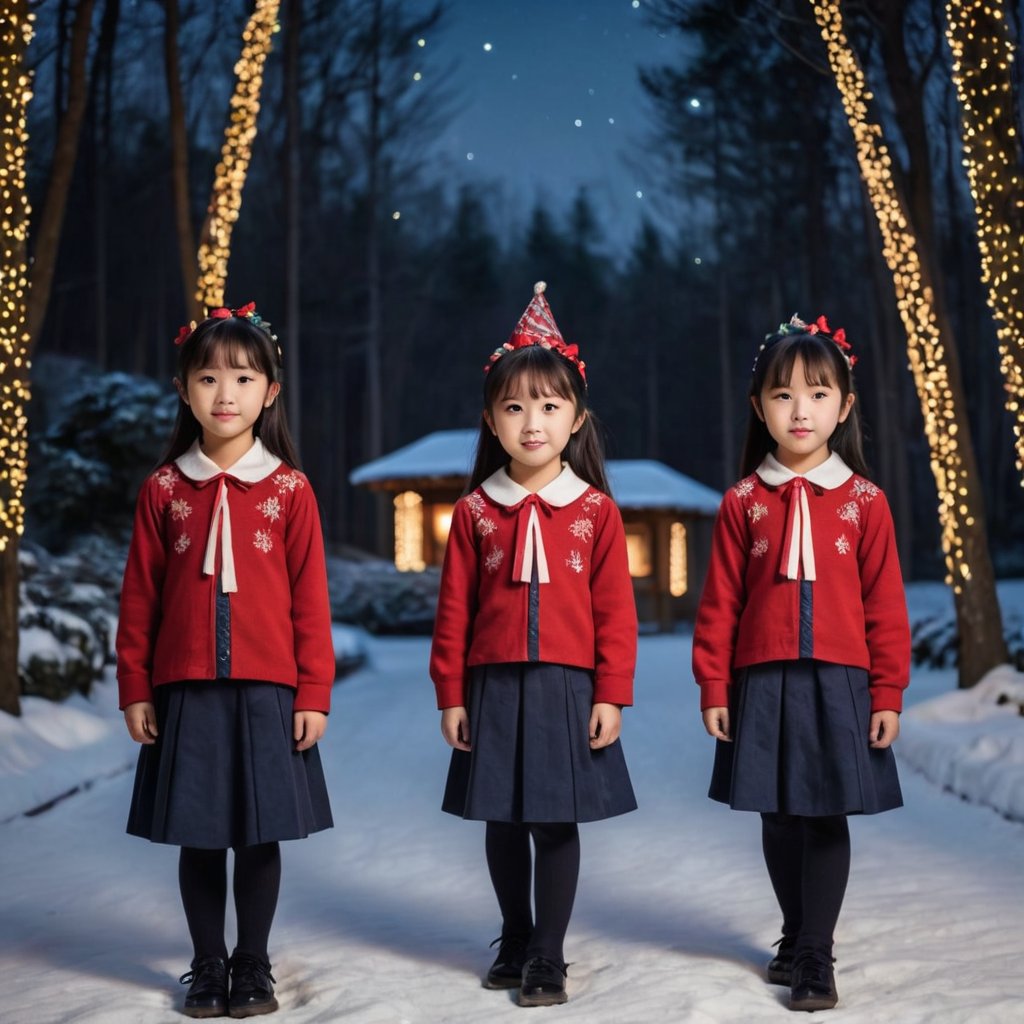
<point x="293" y="218"/>
<point x="189" y="269"/>
<point x="979" y="621"/>
<point x="15" y="34"/>
<point x="48" y="229"/>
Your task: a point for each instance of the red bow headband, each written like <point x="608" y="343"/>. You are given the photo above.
<point x="820" y="326"/>
<point x="246" y="312"/>
<point x="537" y="327"/>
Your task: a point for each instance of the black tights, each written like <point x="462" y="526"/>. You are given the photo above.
<point x="557" y="847"/>
<point x="202" y="878"/>
<point x="808" y="861"/>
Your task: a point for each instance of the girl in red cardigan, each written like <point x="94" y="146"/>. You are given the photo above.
<point x="801" y="645"/>
<point x="224" y="653"/>
<point x="534" y="646"/>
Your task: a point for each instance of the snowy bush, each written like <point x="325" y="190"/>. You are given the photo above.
<point x="373" y="594"/>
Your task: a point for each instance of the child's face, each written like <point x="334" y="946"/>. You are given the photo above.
<point x="801" y="418"/>
<point x="533" y="432"/>
<point x="227" y="400"/>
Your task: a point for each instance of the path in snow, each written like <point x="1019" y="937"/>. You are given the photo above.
<point x="387" y="918"/>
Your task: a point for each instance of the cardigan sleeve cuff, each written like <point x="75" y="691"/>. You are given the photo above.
<point x="613" y="690"/>
<point x="714" y="693"/>
<point x="133" y="688"/>
<point x="451" y="692"/>
<point x="886" y="697"/>
<point x="313" y="697"/>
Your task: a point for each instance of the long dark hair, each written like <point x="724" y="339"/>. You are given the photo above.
<point x="242" y="344"/>
<point x="825" y="365"/>
<point x="543" y="372"/>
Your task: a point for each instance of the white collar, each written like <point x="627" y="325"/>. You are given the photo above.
<point x="832" y="473"/>
<point x="255" y="465"/>
<point x="563" y="490"/>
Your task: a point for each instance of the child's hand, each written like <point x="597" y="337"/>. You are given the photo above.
<point x="307" y="728"/>
<point x="605" y="725"/>
<point x="716" y="721"/>
<point x="884" y="728"/>
<point x="140" y="718"/>
<point x="455" y="727"/>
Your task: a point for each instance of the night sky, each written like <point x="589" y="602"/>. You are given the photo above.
<point x="548" y="99"/>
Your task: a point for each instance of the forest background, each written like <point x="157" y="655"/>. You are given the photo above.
<point x="761" y="212"/>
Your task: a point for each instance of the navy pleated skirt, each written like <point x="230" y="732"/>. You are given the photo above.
<point x="800" y="743"/>
<point x="531" y="759"/>
<point x="224" y="771"/>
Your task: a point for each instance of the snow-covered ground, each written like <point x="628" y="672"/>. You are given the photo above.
<point x="387" y="917"/>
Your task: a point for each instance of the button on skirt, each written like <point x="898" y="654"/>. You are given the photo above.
<point x="531" y="759"/>
<point x="224" y="771"/>
<point x="800" y="743"/>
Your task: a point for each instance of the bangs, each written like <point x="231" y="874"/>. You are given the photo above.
<point x="225" y="344"/>
<point x="540" y="382"/>
<point x="540" y="371"/>
<point x="819" y="368"/>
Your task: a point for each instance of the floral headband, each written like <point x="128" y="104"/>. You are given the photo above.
<point x="246" y="312"/>
<point x="820" y="326"/>
<point x="537" y="327"/>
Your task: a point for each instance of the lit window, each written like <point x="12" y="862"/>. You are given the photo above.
<point x="638" y="548"/>
<point x="409" y="532"/>
<point x="442" y="523"/>
<point x="677" y="582"/>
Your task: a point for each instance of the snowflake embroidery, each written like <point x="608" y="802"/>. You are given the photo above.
<point x="757" y="512"/>
<point x="582" y="529"/>
<point x="475" y="503"/>
<point x="182" y="543"/>
<point x="271" y="508"/>
<point x="575" y="561"/>
<point x="494" y="559"/>
<point x="180" y="509"/>
<point x="167" y="478"/>
<point x="288" y="481"/>
<point x="744" y="487"/>
<point x="263" y="541"/>
<point x="760" y="547"/>
<point x="592" y="500"/>
<point x="842" y="544"/>
<point x="864" y="489"/>
<point x="850" y="513"/>
<point x="485" y="526"/>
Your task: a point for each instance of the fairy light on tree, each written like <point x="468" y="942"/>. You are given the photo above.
<point x="226" y="201"/>
<point x="935" y="371"/>
<point x="899" y="248"/>
<point x="15" y="93"/>
<point x="979" y="40"/>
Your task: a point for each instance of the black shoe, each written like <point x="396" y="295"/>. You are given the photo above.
<point x="251" y="990"/>
<point x="507" y="969"/>
<point x="207" y="995"/>
<point x="814" y="984"/>
<point x="780" y="967"/>
<point x="543" y="983"/>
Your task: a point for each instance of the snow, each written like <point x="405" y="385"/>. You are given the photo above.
<point x="387" y="917"/>
<point x="636" y="483"/>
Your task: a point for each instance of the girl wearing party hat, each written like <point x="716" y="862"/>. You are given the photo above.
<point x="534" y="646"/>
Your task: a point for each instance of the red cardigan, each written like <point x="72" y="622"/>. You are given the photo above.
<point x="749" y="609"/>
<point x="587" y="615"/>
<point x="180" y="548"/>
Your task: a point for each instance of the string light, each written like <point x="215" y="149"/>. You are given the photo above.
<point x="678" y="582"/>
<point x="925" y="347"/>
<point x="235" y="153"/>
<point x="15" y="93"/>
<point x="979" y="40"/>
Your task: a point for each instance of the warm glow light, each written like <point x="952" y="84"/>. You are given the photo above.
<point x="15" y="93"/>
<point x="442" y="523"/>
<point x="638" y="549"/>
<point x="235" y="153"/>
<point x="979" y="38"/>
<point x="925" y="346"/>
<point x="409" y="532"/>
<point x="678" y="582"/>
